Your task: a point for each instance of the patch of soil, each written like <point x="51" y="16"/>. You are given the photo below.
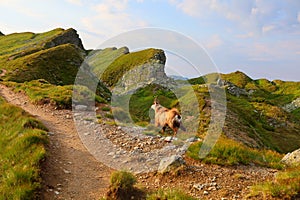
<point x="69" y="171"/>
<point x="207" y="181"/>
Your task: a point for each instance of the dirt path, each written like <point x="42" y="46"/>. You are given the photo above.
<point x="69" y="172"/>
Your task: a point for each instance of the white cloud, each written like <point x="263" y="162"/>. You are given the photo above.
<point x="268" y="28"/>
<point x="75" y="2"/>
<point x="213" y="42"/>
<point x="20" y="8"/>
<point x="246" y="35"/>
<point x="251" y="15"/>
<point x="110" y="18"/>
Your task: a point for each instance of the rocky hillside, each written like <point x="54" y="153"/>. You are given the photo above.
<point x="260" y="113"/>
<point x="54" y="56"/>
<point x="45" y="65"/>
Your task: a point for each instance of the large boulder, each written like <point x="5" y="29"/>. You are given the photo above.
<point x="292" y="159"/>
<point x="168" y="164"/>
<point x="68" y="36"/>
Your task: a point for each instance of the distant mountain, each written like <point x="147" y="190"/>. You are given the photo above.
<point x="176" y="77"/>
<point x="1" y="34"/>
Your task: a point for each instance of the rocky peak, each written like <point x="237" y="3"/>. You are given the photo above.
<point x="68" y="36"/>
<point x="159" y="57"/>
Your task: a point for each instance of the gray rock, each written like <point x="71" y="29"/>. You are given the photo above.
<point x="50" y="133"/>
<point x="292" y="159"/>
<point x="199" y="186"/>
<point x="80" y="107"/>
<point x="192" y="139"/>
<point x="168" y="139"/>
<point x="292" y="106"/>
<point x="68" y="36"/>
<point x="170" y="163"/>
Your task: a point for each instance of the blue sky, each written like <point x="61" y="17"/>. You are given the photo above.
<point x="258" y="37"/>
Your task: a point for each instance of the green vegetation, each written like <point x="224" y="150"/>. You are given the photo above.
<point x="127" y="62"/>
<point x="99" y="60"/>
<point x="57" y="65"/>
<point x="170" y="194"/>
<point x="230" y="152"/>
<point x="258" y="116"/>
<point x="141" y="101"/>
<point x="285" y="186"/>
<point x="238" y="78"/>
<point x="20" y="44"/>
<point x="21" y="152"/>
<point x="42" y="92"/>
<point x="105" y="108"/>
<point x="123" y="180"/>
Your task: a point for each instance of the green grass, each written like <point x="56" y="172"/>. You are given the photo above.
<point x="123" y="180"/>
<point x="169" y="194"/>
<point x="99" y="60"/>
<point x="58" y="65"/>
<point x="285" y="186"/>
<point x="19" y="44"/>
<point x="141" y="101"/>
<point x="230" y="152"/>
<point x="105" y="109"/>
<point x="253" y="117"/>
<point x="21" y="152"/>
<point x="126" y="62"/>
<point x="42" y="92"/>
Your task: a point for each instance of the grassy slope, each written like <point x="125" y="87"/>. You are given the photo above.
<point x="41" y="92"/>
<point x="26" y="58"/>
<point x="99" y="60"/>
<point x="21" y="152"/>
<point x="125" y="63"/>
<point x="260" y="115"/>
<point x="57" y="65"/>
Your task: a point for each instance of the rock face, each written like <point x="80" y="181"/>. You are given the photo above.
<point x="68" y="36"/>
<point x="148" y="73"/>
<point x="292" y="106"/>
<point x="235" y="90"/>
<point x="292" y="159"/>
<point x="170" y="163"/>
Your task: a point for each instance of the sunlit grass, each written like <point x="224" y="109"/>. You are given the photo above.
<point x="230" y="152"/>
<point x="285" y="186"/>
<point x="21" y="152"/>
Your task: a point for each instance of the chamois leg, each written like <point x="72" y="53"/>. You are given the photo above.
<point x="175" y="131"/>
<point x="163" y="129"/>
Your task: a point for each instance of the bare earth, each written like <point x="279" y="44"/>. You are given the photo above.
<point x="70" y="171"/>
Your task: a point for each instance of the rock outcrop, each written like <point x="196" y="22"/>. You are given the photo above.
<point x="170" y="163"/>
<point x="68" y="36"/>
<point x="292" y="106"/>
<point x="292" y="159"/>
<point x="152" y="72"/>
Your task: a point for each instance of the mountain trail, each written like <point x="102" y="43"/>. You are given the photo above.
<point x="69" y="171"/>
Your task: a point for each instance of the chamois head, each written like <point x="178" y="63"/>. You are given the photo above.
<point x="155" y="103"/>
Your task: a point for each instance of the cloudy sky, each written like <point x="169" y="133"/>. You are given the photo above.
<point x="258" y="37"/>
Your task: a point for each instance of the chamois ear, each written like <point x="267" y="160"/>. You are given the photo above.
<point x="156" y="101"/>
